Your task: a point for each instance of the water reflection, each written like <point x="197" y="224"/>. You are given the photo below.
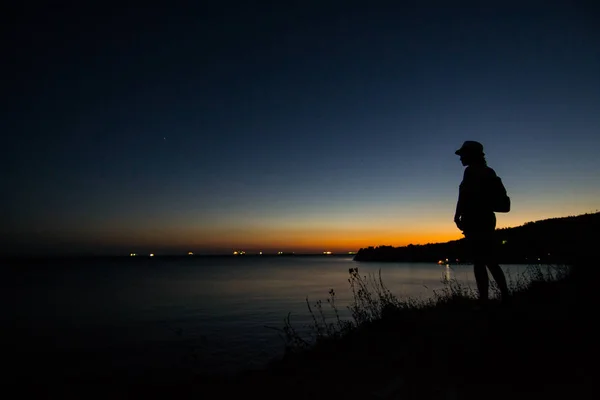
<point x="228" y="301"/>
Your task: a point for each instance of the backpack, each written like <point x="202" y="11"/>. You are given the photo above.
<point x="500" y="202"/>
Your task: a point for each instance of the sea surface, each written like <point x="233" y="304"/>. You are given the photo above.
<point x="194" y="314"/>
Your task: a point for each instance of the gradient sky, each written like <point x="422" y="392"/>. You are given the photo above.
<point x="295" y="128"/>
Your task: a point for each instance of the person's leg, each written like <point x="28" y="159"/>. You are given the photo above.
<point x="488" y="255"/>
<point x="478" y="252"/>
<point x="481" y="278"/>
<point x="500" y="279"/>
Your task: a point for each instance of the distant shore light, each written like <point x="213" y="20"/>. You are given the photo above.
<point x="151" y="254"/>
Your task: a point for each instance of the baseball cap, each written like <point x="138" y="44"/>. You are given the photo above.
<point x="470" y="147"/>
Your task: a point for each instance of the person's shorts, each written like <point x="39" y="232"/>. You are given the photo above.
<point x="481" y="245"/>
<point x="479" y="222"/>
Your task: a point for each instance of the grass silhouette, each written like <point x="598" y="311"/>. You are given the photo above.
<point x="442" y="347"/>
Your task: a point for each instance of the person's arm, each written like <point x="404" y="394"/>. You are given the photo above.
<point x="458" y="213"/>
<point x="460" y="203"/>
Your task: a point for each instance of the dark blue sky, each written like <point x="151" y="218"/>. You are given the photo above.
<point x="301" y="128"/>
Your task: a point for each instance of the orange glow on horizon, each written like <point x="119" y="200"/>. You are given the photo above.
<point x="319" y="242"/>
<point x="301" y="237"/>
<point x="271" y="241"/>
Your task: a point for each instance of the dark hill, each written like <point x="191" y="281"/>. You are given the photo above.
<point x="554" y="240"/>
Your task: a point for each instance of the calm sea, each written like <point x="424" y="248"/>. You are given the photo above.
<point x="194" y="314"/>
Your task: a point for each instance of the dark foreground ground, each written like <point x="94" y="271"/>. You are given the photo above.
<point x="544" y="344"/>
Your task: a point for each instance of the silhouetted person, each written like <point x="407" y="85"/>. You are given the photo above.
<point x="474" y="216"/>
